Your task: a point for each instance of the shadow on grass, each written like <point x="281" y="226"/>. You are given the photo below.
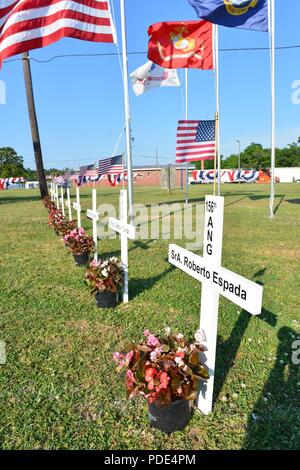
<point x="178" y="201"/>
<point x="235" y="202"/>
<point x="258" y="197"/>
<point x="274" y="421"/>
<point x="135" y="245"/>
<point x="13" y="199"/>
<point x="138" y="286"/>
<point x="227" y="350"/>
<point x="293" y="201"/>
<point x="279" y="203"/>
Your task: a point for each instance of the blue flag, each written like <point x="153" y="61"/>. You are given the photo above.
<point x="247" y="14"/>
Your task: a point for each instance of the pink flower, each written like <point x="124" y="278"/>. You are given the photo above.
<point x="129" y="356"/>
<point x="151" y="397"/>
<point x="146" y="333"/>
<point x="164" y="380"/>
<point x="180" y="354"/>
<point x="117" y="356"/>
<point x="149" y="374"/>
<point x="95" y="263"/>
<point x="130" y="379"/>
<point x="149" y="377"/>
<point x="152" y="341"/>
<point x="154" y="355"/>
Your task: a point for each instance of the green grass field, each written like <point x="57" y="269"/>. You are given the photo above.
<point x="59" y="388"/>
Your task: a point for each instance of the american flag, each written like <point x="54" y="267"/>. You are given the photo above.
<point x="87" y="170"/>
<point x="30" y="24"/>
<point x="111" y="166"/>
<point x="195" y="141"/>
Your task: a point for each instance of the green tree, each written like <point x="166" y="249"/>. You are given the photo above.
<point x="256" y="157"/>
<point x="11" y="164"/>
<point x="31" y="175"/>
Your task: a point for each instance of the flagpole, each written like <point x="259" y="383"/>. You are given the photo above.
<point x="273" y="145"/>
<point x="215" y="157"/>
<point x="127" y="111"/>
<point x="123" y="171"/>
<point x="186" y="117"/>
<point x="216" y="40"/>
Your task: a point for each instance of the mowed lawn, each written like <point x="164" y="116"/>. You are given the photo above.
<point x="59" y="388"/>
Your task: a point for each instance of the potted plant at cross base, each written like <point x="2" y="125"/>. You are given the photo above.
<point x="165" y="371"/>
<point x="49" y="205"/>
<point x="60" y="223"/>
<point x="105" y="277"/>
<point x="54" y="218"/>
<point x="80" y="245"/>
<point x="64" y="226"/>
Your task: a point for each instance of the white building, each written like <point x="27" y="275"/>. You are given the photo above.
<point x="288" y="175"/>
<point x="31" y="185"/>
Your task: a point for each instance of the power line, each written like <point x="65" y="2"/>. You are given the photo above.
<point x="80" y="160"/>
<point x="115" y="54"/>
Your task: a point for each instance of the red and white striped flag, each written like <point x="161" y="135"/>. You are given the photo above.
<point x="111" y="166"/>
<point x="195" y="141"/>
<point x="30" y="24"/>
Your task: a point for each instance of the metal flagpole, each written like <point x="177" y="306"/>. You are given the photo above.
<point x="273" y="145"/>
<point x="216" y="146"/>
<point x="123" y="163"/>
<point x="127" y="111"/>
<point x="216" y="40"/>
<point x="186" y="117"/>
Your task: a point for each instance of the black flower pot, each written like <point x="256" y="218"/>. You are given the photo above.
<point x="81" y="260"/>
<point x="106" y="299"/>
<point x="170" y="418"/>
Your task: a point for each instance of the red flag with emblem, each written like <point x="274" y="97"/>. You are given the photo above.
<point x="182" y="44"/>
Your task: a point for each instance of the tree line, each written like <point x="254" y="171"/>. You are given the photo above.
<point x="253" y="157"/>
<point x="12" y="164"/>
<point x="256" y="157"/>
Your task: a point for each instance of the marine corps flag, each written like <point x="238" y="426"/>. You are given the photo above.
<point x="181" y="44"/>
<point x="247" y="14"/>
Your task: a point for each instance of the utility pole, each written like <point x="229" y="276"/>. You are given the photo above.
<point x="34" y="126"/>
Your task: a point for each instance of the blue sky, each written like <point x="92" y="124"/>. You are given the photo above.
<point x="80" y="100"/>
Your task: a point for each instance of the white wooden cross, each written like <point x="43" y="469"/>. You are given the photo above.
<point x="127" y="231"/>
<point x="68" y="204"/>
<point x="77" y="207"/>
<point x="216" y="281"/>
<point x="51" y="190"/>
<point x="56" y="198"/>
<point x="62" y="200"/>
<point x="94" y="216"/>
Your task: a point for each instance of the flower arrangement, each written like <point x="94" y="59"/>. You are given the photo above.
<point x="49" y="205"/>
<point x="104" y="275"/>
<point x="79" y="242"/>
<point x="163" y="369"/>
<point x="55" y="217"/>
<point x="59" y="222"/>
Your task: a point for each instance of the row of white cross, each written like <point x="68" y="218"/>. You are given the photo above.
<point x="120" y="226"/>
<point x="207" y="269"/>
